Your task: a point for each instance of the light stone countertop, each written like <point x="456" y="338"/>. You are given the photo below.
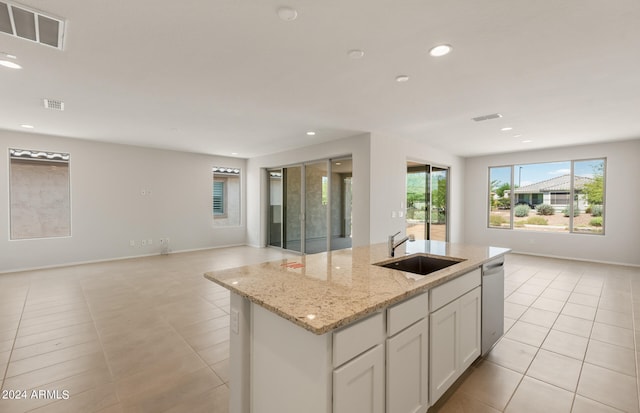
<point x="325" y="291"/>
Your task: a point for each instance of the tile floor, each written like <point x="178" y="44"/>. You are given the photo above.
<point x="569" y="344"/>
<point x="151" y="335"/>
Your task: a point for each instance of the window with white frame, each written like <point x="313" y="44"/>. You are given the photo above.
<point x="226" y="199"/>
<point x="39" y="194"/>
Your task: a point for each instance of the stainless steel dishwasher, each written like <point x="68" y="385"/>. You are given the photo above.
<point x="492" y="303"/>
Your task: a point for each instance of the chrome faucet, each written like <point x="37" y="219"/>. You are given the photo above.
<point x="393" y="244"/>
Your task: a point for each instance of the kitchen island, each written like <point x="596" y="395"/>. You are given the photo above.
<point x="334" y="332"/>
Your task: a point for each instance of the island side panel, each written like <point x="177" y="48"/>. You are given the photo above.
<point x="240" y="355"/>
<point x="290" y="367"/>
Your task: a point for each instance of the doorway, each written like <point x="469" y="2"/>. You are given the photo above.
<point x="310" y="208"/>
<point x="427" y="201"/>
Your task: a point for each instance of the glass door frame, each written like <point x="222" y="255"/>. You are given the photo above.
<point x="429" y="169"/>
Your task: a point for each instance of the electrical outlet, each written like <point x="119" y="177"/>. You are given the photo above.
<point x="235" y="321"/>
<point x="143" y="242"/>
<point x="166" y="240"/>
<point x="143" y="192"/>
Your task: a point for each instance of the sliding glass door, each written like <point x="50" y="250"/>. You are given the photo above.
<point x="427" y="198"/>
<point x="310" y="206"/>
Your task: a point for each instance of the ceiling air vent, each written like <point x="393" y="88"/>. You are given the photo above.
<point x="25" y="23"/>
<point x="53" y="104"/>
<point x="487" y="117"/>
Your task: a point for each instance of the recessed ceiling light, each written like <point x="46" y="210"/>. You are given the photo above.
<point x="355" y="54"/>
<point x="402" y="78"/>
<point x="338" y="163"/>
<point x="517" y="136"/>
<point x="527" y="141"/>
<point x="440" y="50"/>
<point x="311" y="133"/>
<point x="10" y="64"/>
<point x="506" y="128"/>
<point x="27" y="126"/>
<point x="234" y="153"/>
<point x="287" y="14"/>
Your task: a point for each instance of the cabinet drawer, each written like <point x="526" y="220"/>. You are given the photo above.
<point x="453" y="289"/>
<point x="402" y="315"/>
<point x="357" y="338"/>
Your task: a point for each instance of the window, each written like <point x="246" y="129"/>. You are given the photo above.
<point x="40" y="199"/>
<point x="552" y="197"/>
<point x="226" y="196"/>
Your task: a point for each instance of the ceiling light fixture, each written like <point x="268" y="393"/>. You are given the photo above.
<point x="355" y="54"/>
<point x="517" y="136"/>
<point x="10" y="64"/>
<point x="27" y="126"/>
<point x="527" y="141"/>
<point x="234" y="153"/>
<point x="440" y="50"/>
<point x="506" y="128"/>
<point x="402" y="78"/>
<point x="311" y="133"/>
<point x="287" y="14"/>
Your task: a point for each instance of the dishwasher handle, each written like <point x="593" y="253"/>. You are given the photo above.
<point x="492" y="268"/>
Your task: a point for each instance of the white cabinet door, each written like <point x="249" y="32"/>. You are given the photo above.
<point x="443" y="342"/>
<point x="470" y="334"/>
<point x="358" y="386"/>
<point x="408" y="370"/>
<point x="454" y="341"/>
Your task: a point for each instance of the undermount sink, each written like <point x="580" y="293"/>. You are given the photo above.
<point x="420" y="264"/>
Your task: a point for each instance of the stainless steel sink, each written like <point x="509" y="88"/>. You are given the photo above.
<point x="420" y="263"/>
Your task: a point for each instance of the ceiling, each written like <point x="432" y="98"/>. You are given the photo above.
<point x="229" y="76"/>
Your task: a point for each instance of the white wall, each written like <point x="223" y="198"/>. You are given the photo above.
<point x="357" y="146"/>
<point x="622" y="218"/>
<point x="107" y="208"/>
<point x="389" y="158"/>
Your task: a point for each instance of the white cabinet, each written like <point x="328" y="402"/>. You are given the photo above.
<point x="455" y="331"/>
<point x="408" y="369"/>
<point x="358" y="386"/>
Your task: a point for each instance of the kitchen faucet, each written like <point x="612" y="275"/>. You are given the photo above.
<point x="393" y="244"/>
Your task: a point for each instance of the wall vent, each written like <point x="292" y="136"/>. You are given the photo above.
<point x="20" y="21"/>
<point x="53" y="104"/>
<point x="487" y="117"/>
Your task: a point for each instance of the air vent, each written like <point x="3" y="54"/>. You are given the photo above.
<point x="28" y="24"/>
<point x="487" y="117"/>
<point x="53" y="104"/>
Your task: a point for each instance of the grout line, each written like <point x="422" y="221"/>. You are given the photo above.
<point x="15" y="337"/>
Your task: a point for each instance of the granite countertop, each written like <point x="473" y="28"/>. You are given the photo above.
<point x="325" y="291"/>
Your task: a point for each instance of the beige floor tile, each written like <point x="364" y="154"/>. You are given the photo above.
<point x="219" y="320"/>
<point x="204" y="340"/>
<point x="56" y="372"/>
<point x="508" y="323"/>
<point x="514" y="311"/>
<point x="527" y="333"/>
<point x="584" y="299"/>
<point x="462" y="403"/>
<point x="158" y="375"/>
<point x="609" y="387"/>
<point x="114" y="408"/>
<point x="614" y="318"/>
<point x="573" y="325"/>
<point x="55" y="325"/>
<point x="548" y="304"/>
<point x="613" y="335"/>
<point x="214" y="400"/>
<point x="556" y="294"/>
<point x="520" y="298"/>
<point x="512" y="354"/>
<point x="53" y="345"/>
<point x="579" y="311"/>
<point x="584" y="405"/>
<point x="556" y="369"/>
<point x="616" y="303"/>
<point x="539" y="317"/>
<point x="589" y="290"/>
<point x="41" y="337"/>
<point x="620" y="359"/>
<point x="534" y="396"/>
<point x="491" y="384"/>
<point x="532" y="289"/>
<point x="221" y="368"/>
<point x="54" y="357"/>
<point x="564" y="285"/>
<point x="216" y="353"/>
<point x="177" y="392"/>
<point x="566" y="344"/>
